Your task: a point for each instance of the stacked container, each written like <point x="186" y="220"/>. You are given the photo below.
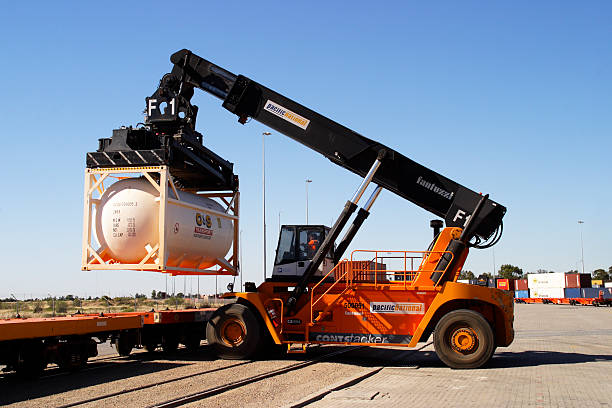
<point x="505" y="284"/>
<point x="521" y="293"/>
<point x="546" y="285"/>
<point x="558" y="285"/>
<point x="521" y="284"/>
<point x="606" y="293"/>
<point x="574" y="282"/>
<point x="577" y="280"/>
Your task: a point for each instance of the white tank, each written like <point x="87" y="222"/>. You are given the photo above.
<point x="127" y="221"/>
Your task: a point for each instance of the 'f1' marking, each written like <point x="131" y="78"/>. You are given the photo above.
<point x="153" y="106"/>
<point x="461" y="215"/>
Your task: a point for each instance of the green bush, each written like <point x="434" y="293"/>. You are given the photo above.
<point x="38" y="307"/>
<point x="174" y="301"/>
<point x="61" y="307"/>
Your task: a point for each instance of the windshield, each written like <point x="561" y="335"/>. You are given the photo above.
<point x="286" y="243"/>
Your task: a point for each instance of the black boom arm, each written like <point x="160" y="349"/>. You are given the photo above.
<point x="404" y="177"/>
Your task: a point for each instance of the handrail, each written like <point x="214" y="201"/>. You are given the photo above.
<point x="407" y="275"/>
<point x="312" y="302"/>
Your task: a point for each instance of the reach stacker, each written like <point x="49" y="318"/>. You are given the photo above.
<point x="315" y="295"/>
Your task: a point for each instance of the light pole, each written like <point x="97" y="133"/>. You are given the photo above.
<point x="581" y="244"/>
<point x="307" y="182"/>
<point x="241" y="271"/>
<point x="263" y="173"/>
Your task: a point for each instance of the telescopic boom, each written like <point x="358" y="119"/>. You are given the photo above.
<point x="249" y="99"/>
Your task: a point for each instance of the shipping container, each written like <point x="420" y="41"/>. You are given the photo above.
<point x="607" y="284"/>
<point x="597" y="282"/>
<point x="521" y="293"/>
<point x="492" y="282"/>
<point x="606" y="293"/>
<point x="571" y="293"/>
<point x="505" y="284"/>
<point x="546" y="280"/>
<point x="463" y="281"/>
<point x="473" y="281"/>
<point x="521" y="284"/>
<point x="547" y="293"/>
<point x="577" y="280"/>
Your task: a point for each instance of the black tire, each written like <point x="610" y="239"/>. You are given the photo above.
<point x="124" y="346"/>
<point x="193" y="341"/>
<point x="234" y="332"/>
<point x="464" y="339"/>
<point x="73" y="360"/>
<point x="169" y="343"/>
<point x="31" y="360"/>
<point x="150" y="347"/>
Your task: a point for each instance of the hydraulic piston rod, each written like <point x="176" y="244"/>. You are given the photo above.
<point x="362" y="214"/>
<point x="349" y="209"/>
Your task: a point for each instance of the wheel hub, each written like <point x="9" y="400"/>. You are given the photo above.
<point x="233" y="332"/>
<point x="464" y="340"/>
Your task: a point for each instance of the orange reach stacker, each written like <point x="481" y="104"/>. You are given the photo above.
<point x="314" y="296"/>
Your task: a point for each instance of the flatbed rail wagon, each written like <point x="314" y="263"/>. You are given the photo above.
<point x="598" y="301"/>
<point x="28" y="345"/>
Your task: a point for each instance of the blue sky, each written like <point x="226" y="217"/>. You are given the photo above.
<point x="510" y="99"/>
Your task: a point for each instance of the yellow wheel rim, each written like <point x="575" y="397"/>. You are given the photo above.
<point x="464" y="340"/>
<point x="233" y="332"/>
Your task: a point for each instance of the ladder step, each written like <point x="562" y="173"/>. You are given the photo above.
<point x="296" y="348"/>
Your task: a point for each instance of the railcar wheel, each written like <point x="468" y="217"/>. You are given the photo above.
<point x="124" y="346"/>
<point x="192" y="341"/>
<point x="169" y="343"/>
<point x="464" y="339"/>
<point x="234" y="332"/>
<point x="150" y="347"/>
<point x="30" y="360"/>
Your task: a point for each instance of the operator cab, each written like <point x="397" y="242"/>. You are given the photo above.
<point x="297" y="245"/>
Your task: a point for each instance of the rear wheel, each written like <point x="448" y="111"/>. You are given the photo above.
<point x="464" y="339"/>
<point x="234" y="332"/>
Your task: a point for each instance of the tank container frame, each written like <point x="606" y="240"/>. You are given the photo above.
<point x="157" y="257"/>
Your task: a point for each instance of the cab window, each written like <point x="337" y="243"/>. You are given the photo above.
<point x="310" y="240"/>
<point x="286" y="244"/>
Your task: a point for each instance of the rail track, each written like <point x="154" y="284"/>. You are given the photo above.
<point x="92" y="364"/>
<point x="201" y="395"/>
<point x="95" y="363"/>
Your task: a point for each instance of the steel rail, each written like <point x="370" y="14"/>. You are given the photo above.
<point x="144" y="387"/>
<point x="250" y="380"/>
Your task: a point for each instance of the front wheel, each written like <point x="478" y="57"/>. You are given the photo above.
<point x="464" y="339"/>
<point x="234" y="332"/>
